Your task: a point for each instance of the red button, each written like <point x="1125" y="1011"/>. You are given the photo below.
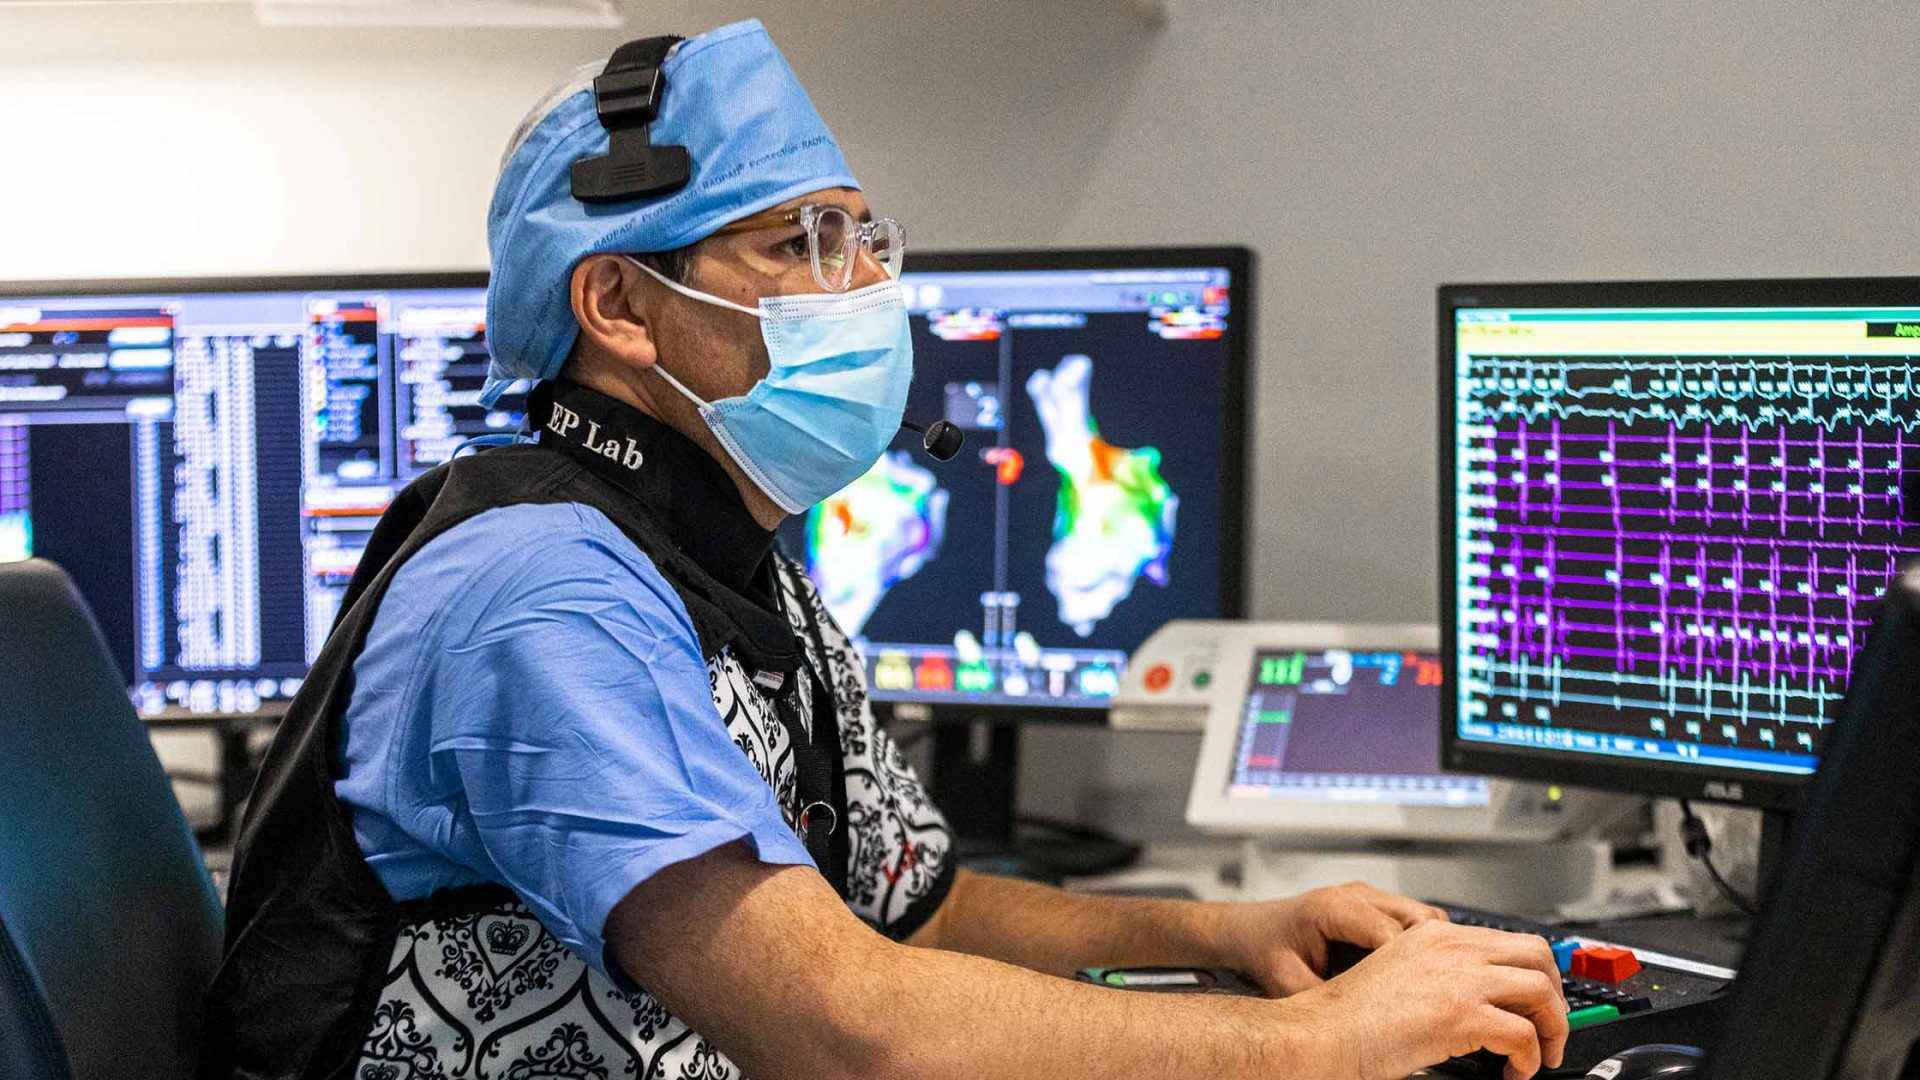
<point x="1158" y="678"/>
<point x="1604" y="963"/>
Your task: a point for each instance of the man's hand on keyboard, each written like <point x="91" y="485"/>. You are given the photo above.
<point x="1284" y="944"/>
<point x="1439" y="991"/>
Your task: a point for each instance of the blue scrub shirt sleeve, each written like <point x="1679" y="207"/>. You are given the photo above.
<point x="578" y="723"/>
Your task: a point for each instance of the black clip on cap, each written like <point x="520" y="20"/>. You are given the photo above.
<point x="627" y="98"/>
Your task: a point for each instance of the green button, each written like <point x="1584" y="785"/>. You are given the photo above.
<point x="1591" y="1015"/>
<point x="1202" y="679"/>
<point x="1115" y="978"/>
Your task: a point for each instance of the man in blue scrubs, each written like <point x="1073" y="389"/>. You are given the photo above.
<point x="609" y="758"/>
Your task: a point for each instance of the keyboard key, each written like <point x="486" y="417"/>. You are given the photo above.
<point x="1605" y="963"/>
<point x="1591" y="1015"/>
<point x="1563" y="955"/>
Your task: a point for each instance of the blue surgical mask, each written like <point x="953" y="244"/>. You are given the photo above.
<point x="832" y="400"/>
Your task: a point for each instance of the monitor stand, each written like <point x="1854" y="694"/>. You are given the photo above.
<point x="1733" y="930"/>
<point x="1531" y="878"/>
<point x="976" y="769"/>
<point x="975" y="779"/>
<point x="1775" y="828"/>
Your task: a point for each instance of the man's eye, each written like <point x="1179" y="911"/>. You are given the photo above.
<point x="796" y="247"/>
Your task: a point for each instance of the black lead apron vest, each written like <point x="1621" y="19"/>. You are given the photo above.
<point x="326" y="976"/>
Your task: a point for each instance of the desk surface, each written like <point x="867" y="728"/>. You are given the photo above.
<point x="181" y="719"/>
<point x="1205" y="871"/>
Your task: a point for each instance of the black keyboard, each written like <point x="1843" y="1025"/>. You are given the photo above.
<point x="1659" y="1003"/>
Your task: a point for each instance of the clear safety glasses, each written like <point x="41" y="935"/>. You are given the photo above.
<point x="834" y="240"/>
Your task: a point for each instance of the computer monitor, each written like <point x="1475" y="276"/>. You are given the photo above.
<point x="1666" y="509"/>
<point x="1332" y="730"/>
<point x="1098" y="496"/>
<point x="207" y="458"/>
<point x="1323" y="728"/>
<point x="1321" y="746"/>
<point x="1345" y="726"/>
<point x="1828" y="987"/>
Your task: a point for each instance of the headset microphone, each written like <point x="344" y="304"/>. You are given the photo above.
<point x="941" y="439"/>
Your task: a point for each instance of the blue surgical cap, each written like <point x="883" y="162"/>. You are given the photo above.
<point x="755" y="140"/>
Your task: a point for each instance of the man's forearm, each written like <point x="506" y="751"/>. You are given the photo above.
<point x="768" y="964"/>
<point x="1052" y="930"/>
<point x="927" y="1014"/>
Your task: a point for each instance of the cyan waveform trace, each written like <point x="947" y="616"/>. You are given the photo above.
<point x="1680" y="547"/>
<point x="1815" y="382"/>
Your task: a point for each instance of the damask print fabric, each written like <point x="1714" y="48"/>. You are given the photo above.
<point x="491" y="994"/>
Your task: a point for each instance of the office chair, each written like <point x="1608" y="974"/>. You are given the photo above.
<point x="110" y="929"/>
<point x="30" y="1046"/>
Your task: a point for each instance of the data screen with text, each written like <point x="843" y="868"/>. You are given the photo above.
<point x="208" y="465"/>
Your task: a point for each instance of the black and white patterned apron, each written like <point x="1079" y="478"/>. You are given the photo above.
<point x="489" y="993"/>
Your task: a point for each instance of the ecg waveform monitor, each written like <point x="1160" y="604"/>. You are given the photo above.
<point x="1669" y="523"/>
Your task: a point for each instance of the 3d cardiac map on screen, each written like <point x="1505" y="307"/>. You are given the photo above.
<point x="1011" y="572"/>
<point x="1115" y="517"/>
<point x="872" y="534"/>
<point x="1674" y="551"/>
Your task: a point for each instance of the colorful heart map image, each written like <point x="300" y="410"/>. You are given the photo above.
<point x="1115" y="518"/>
<point x="873" y="534"/>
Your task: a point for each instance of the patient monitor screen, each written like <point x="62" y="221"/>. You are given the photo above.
<point x="1345" y="725"/>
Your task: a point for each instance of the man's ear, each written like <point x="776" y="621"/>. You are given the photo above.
<point x="610" y="304"/>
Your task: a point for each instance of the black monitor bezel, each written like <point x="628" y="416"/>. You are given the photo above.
<point x="1239" y="263"/>
<point x="1749" y="787"/>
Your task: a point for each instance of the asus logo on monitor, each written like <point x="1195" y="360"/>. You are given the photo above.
<point x="1721" y="789"/>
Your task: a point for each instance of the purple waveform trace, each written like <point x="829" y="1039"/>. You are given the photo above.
<point x="1685" y="540"/>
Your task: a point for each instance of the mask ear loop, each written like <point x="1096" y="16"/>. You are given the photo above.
<point x="678" y="385"/>
<point x="694" y="294"/>
<point x="691" y="294"/>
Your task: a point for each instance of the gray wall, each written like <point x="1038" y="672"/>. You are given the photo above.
<point x="1367" y="150"/>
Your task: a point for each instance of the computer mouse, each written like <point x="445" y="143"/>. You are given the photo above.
<point x="1657" y="1061"/>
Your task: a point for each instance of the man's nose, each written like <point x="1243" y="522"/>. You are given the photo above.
<point x="866" y="270"/>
